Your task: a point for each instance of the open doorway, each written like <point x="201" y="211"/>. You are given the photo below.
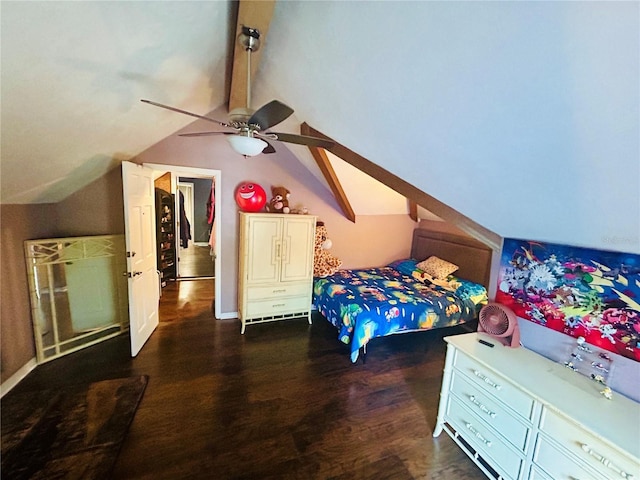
<point x="210" y="249"/>
<point x="196" y="199"/>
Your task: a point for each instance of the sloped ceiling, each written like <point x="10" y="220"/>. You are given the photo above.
<point x="523" y="116"/>
<point x="73" y="74"/>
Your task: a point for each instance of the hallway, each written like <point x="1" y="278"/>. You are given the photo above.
<point x="196" y="261"/>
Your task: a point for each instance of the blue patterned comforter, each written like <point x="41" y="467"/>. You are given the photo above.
<point x="398" y="298"/>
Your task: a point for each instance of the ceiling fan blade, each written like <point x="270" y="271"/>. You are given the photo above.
<point x="269" y="148"/>
<point x="302" y="140"/>
<point x="204" y="134"/>
<point x="173" y="109"/>
<point x="270" y="114"/>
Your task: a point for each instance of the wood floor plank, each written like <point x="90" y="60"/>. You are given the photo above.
<point x="282" y="401"/>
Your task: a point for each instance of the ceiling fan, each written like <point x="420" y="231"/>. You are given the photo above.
<point x="248" y="133"/>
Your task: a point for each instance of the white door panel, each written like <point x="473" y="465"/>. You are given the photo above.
<point x="138" y="193"/>
<point x="298" y="256"/>
<point x="265" y="257"/>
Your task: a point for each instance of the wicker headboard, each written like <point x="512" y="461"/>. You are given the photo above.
<point x="472" y="256"/>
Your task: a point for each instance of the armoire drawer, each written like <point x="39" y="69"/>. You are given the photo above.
<point x="277" y="306"/>
<point x="488" y="444"/>
<point x="278" y="291"/>
<point x="486" y="407"/>
<point x="496" y="385"/>
<point x="586" y="447"/>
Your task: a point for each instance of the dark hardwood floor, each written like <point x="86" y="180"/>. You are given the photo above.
<point x="282" y="401"/>
<point x="195" y="261"/>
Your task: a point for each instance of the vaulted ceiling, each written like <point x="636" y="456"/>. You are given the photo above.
<point x="490" y="107"/>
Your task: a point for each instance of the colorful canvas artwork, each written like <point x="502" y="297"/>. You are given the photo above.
<point x="594" y="294"/>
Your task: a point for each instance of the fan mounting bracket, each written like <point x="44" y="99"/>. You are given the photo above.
<point x="249" y="38"/>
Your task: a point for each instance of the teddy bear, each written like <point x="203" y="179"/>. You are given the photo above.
<point x="324" y="263"/>
<point x="279" y="202"/>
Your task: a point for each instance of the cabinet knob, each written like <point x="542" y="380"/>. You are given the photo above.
<point x="486" y="380"/>
<point x="478" y="435"/>
<point x="606" y="462"/>
<point x="473" y="400"/>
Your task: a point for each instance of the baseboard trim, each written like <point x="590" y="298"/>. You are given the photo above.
<point x="228" y="315"/>
<point x="17" y="377"/>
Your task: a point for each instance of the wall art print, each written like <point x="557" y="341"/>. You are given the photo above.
<point x="580" y="292"/>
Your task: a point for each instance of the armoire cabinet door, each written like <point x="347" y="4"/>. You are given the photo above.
<point x="297" y="258"/>
<point x="264" y="249"/>
<point x="279" y="249"/>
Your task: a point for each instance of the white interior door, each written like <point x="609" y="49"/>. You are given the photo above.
<point x="143" y="281"/>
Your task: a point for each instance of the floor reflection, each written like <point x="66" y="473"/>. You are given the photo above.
<point x="195" y="288"/>
<point x="182" y="299"/>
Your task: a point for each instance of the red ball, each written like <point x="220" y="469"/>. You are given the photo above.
<point x="250" y="197"/>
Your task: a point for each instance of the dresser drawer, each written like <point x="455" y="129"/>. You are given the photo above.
<point x="557" y="464"/>
<point x="278" y="291"/>
<point x="277" y="306"/>
<point x="490" y="445"/>
<point x="587" y="448"/>
<point x="494" y="413"/>
<point x="537" y="474"/>
<point x="496" y="385"/>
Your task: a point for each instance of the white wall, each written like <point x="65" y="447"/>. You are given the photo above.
<point x="521" y="115"/>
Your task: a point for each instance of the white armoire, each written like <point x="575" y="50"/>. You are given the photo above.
<point x="275" y="267"/>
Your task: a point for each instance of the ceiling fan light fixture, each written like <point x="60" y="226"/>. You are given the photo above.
<point x="247" y="146"/>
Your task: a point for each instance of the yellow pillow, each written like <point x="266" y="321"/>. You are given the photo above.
<point x="437" y="268"/>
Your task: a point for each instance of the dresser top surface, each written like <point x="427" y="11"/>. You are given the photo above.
<point x="560" y="388"/>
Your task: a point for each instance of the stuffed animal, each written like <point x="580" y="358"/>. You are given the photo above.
<point x="300" y="211"/>
<point x="279" y="200"/>
<point x="324" y="263"/>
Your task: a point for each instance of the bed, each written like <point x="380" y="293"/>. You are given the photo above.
<point x="400" y="298"/>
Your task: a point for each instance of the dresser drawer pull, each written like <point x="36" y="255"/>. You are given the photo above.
<point x="606" y="462"/>
<point x="279" y="290"/>
<point x="478" y="435"/>
<point x="473" y="400"/>
<point x="278" y="305"/>
<point x="486" y="380"/>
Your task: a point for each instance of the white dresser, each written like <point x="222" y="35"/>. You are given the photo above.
<point x="519" y="415"/>
<point x="275" y="267"/>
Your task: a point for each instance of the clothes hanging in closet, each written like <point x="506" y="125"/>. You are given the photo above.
<point x="185" y="227"/>
<point x="211" y="217"/>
